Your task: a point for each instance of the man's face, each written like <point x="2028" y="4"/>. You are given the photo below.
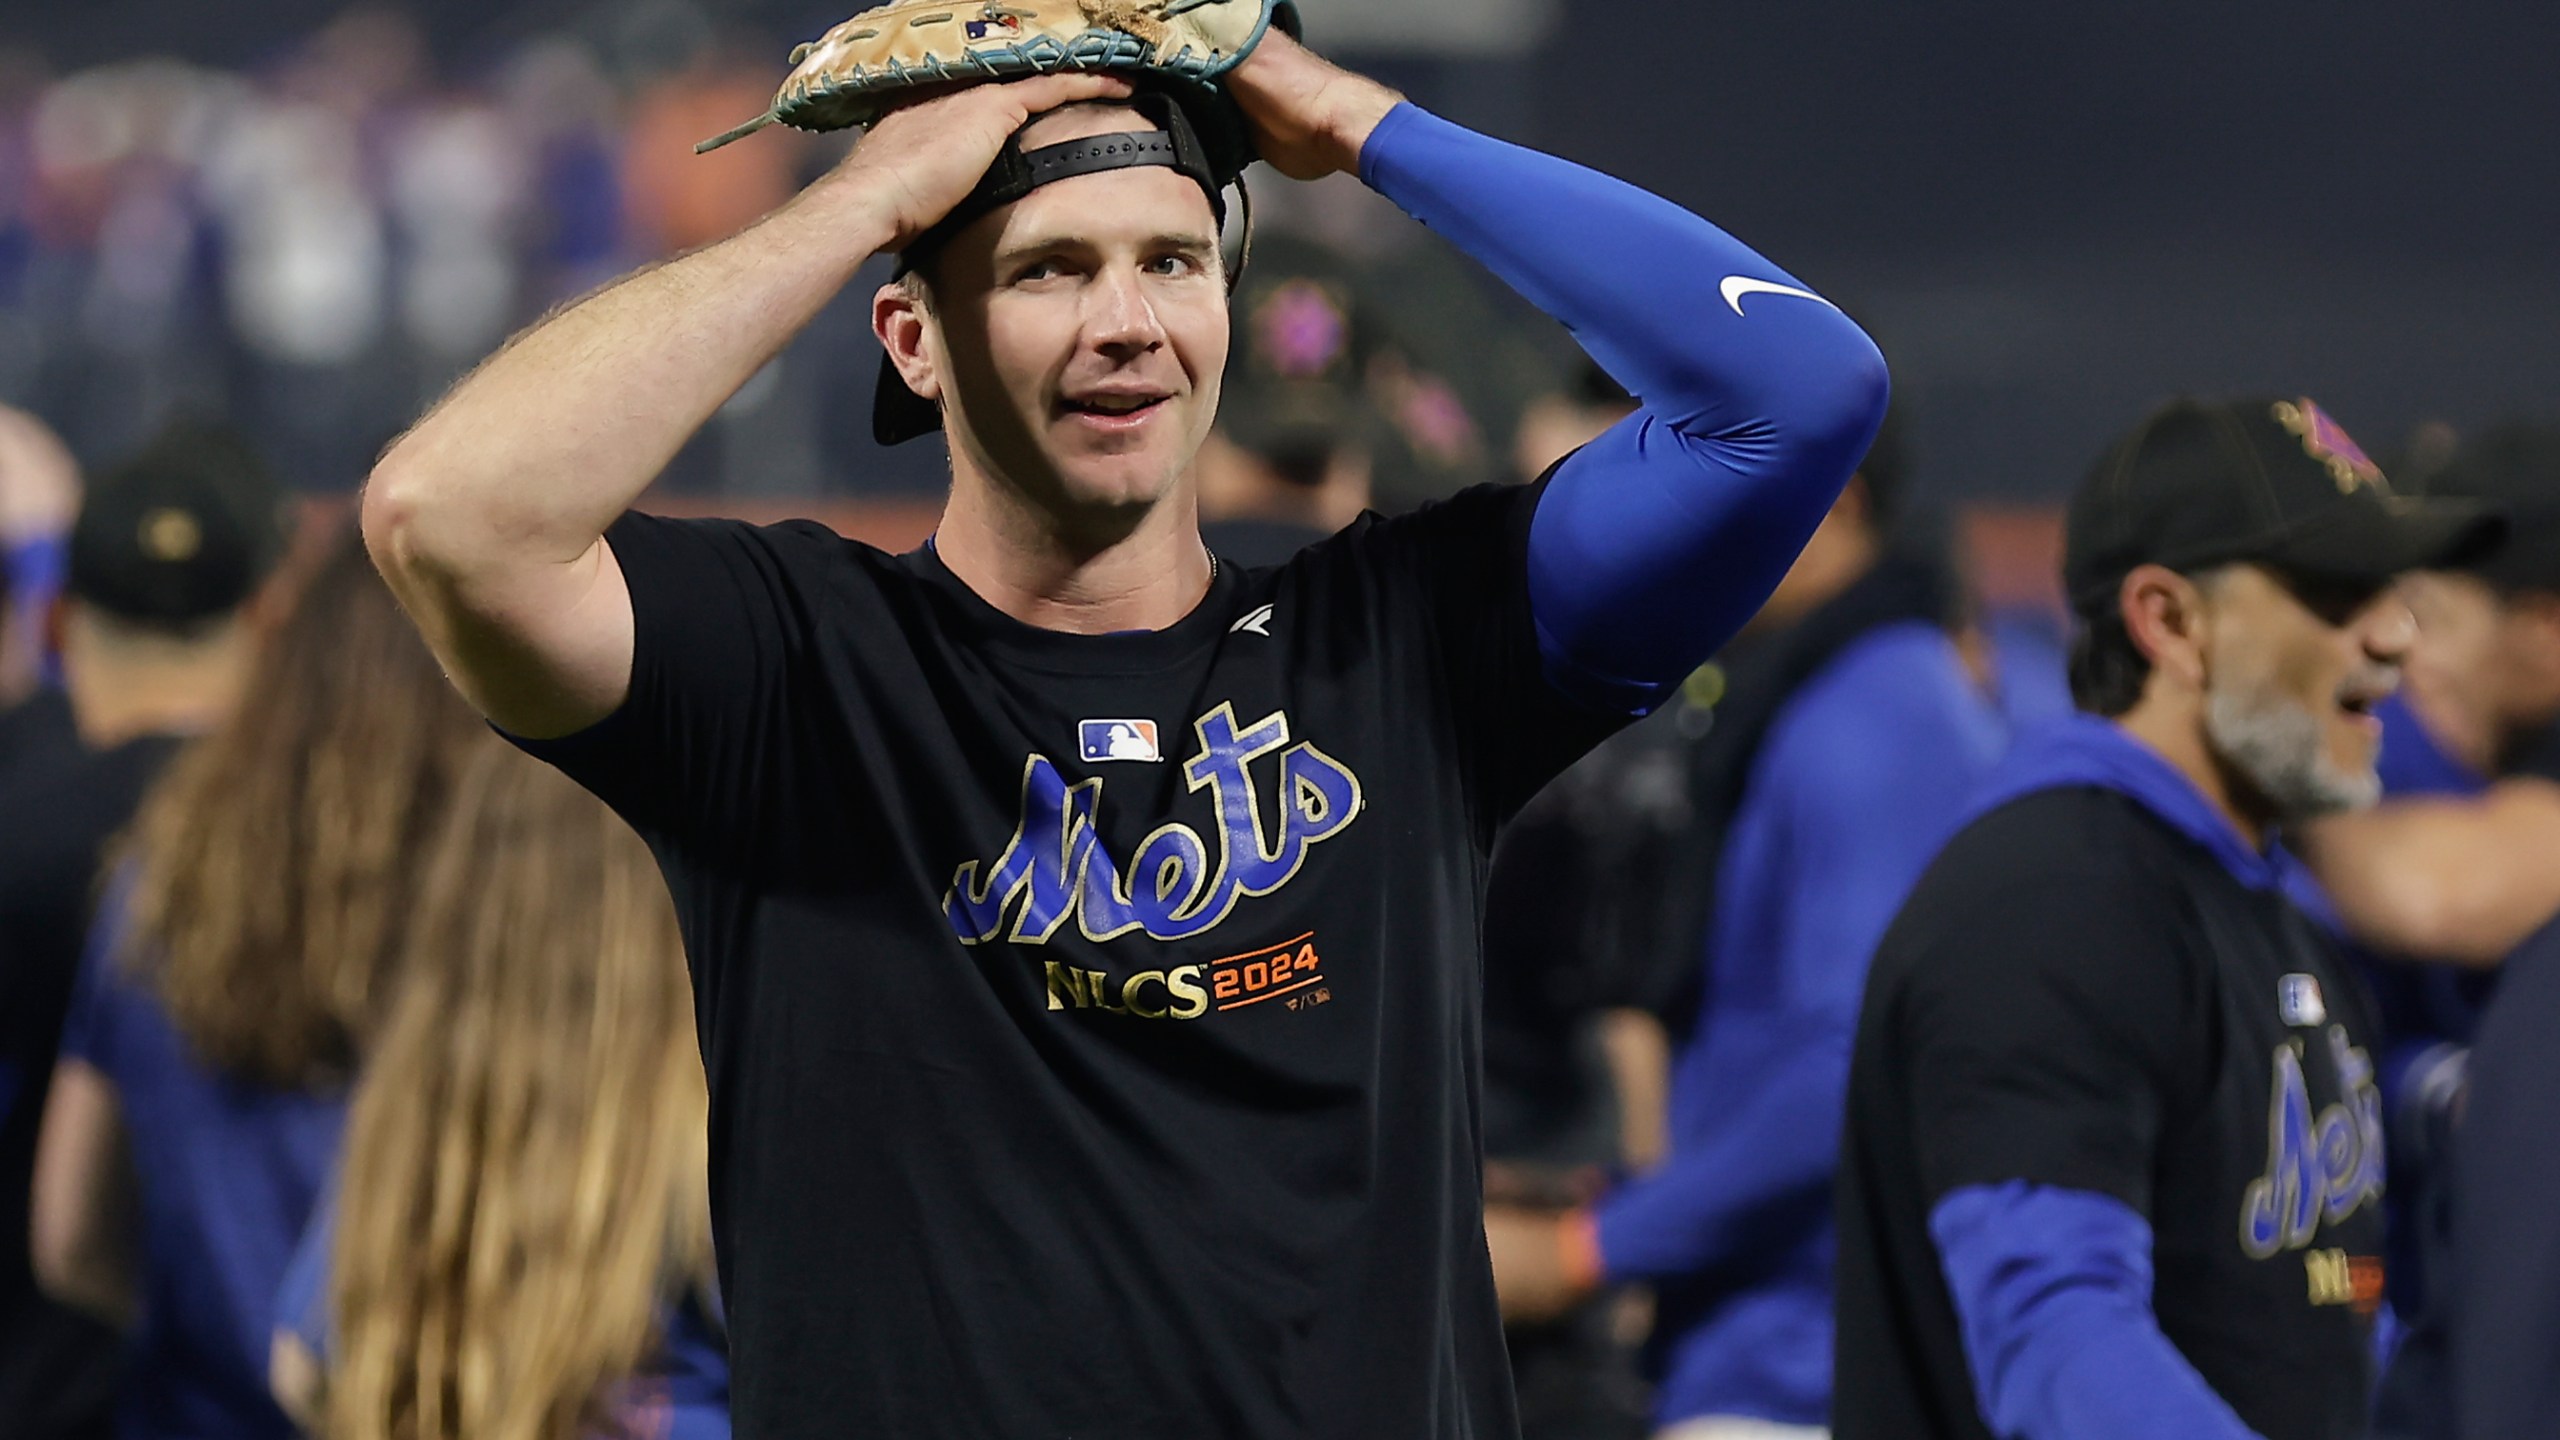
<point x="2455" y="670"/>
<point x="2292" y="673"/>
<point x="2486" y="669"/>
<point x="1080" y="333"/>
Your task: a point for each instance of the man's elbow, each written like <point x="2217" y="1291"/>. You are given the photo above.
<point x="388" y="514"/>
<point x="1850" y="406"/>
<point x="416" y="528"/>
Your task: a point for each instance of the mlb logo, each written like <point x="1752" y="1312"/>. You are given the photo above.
<point x="995" y="27"/>
<point x="1117" y="740"/>
<point x="2298" y="1000"/>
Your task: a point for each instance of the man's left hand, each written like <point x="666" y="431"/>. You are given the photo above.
<point x="1310" y="117"/>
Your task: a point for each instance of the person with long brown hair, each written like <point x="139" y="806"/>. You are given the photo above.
<point x="232" y="980"/>
<point x="521" y="1246"/>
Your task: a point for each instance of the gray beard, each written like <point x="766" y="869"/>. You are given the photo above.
<point x="2275" y="745"/>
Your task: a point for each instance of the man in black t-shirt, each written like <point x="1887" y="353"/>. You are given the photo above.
<point x="1083" y="930"/>
<point x="2114" y="1153"/>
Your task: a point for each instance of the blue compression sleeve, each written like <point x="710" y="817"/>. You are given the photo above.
<point x="1653" y="544"/>
<point x="2053" y="1289"/>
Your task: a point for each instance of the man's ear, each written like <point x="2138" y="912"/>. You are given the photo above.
<point x="2164" y="613"/>
<point x="905" y="329"/>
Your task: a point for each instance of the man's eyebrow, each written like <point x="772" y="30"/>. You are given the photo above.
<point x="1192" y="242"/>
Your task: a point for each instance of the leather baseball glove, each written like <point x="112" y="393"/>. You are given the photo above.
<point x="890" y="52"/>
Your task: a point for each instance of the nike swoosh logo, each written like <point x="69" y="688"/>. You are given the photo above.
<point x="1737" y="286"/>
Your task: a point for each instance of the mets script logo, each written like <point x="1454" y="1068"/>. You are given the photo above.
<point x="2318" y="1167"/>
<point x="1173" y="888"/>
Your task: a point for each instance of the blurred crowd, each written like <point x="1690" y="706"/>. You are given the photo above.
<point x="318" y="246"/>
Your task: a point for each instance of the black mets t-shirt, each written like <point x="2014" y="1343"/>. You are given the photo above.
<point x="1091" y="1021"/>
<point x="2077" y="995"/>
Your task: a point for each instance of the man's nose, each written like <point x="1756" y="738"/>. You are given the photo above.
<point x="2388" y="628"/>
<point x="1122" y="320"/>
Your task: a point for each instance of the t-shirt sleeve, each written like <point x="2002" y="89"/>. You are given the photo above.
<point x="2042" y="1038"/>
<point x="1515" y="729"/>
<point x="101" y="996"/>
<point x="722" y="613"/>
<point x="302" y="1300"/>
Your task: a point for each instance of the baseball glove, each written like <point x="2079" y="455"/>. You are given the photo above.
<point x="850" y="74"/>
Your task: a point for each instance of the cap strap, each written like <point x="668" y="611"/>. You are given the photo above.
<point x="1017" y="173"/>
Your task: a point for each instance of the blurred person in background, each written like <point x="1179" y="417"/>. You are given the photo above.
<point x="2464" y="866"/>
<point x="534" y="1110"/>
<point x="1849" y="735"/>
<point x="1456" y="364"/>
<point x="115" y="301"/>
<point x="1568" y="417"/>
<point x="1288" y="462"/>
<point x="39" y="499"/>
<point x="311" y="259"/>
<point x="679" y="201"/>
<point x="165" y="563"/>
<point x="227" y="993"/>
<point x="456" y="187"/>
<point x="2456" y="879"/>
<point x="2114" y="1161"/>
<point x="1575" y="1063"/>
<point x="556" y="95"/>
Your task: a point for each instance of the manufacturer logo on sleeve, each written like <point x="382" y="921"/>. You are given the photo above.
<point x="1099" y="740"/>
<point x="1737" y="286"/>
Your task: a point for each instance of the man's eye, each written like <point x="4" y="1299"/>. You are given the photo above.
<point x="1173" y="265"/>
<point x="1040" y="270"/>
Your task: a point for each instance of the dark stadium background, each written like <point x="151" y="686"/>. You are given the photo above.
<point x="2050" y="214"/>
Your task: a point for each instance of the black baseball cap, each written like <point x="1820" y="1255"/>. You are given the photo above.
<point x="2205" y="482"/>
<point x="2515" y="467"/>
<point x="183" y="531"/>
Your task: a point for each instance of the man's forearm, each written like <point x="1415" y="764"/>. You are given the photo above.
<point x="2053" y="1290"/>
<point x="1653" y="544"/>
<point x="2459" y="880"/>
<point x="536" y="452"/>
<point x="1680" y="312"/>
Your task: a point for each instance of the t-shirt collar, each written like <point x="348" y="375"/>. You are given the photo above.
<point x="1127" y="652"/>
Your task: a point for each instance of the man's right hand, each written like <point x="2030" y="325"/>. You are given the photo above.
<point x="917" y="163"/>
